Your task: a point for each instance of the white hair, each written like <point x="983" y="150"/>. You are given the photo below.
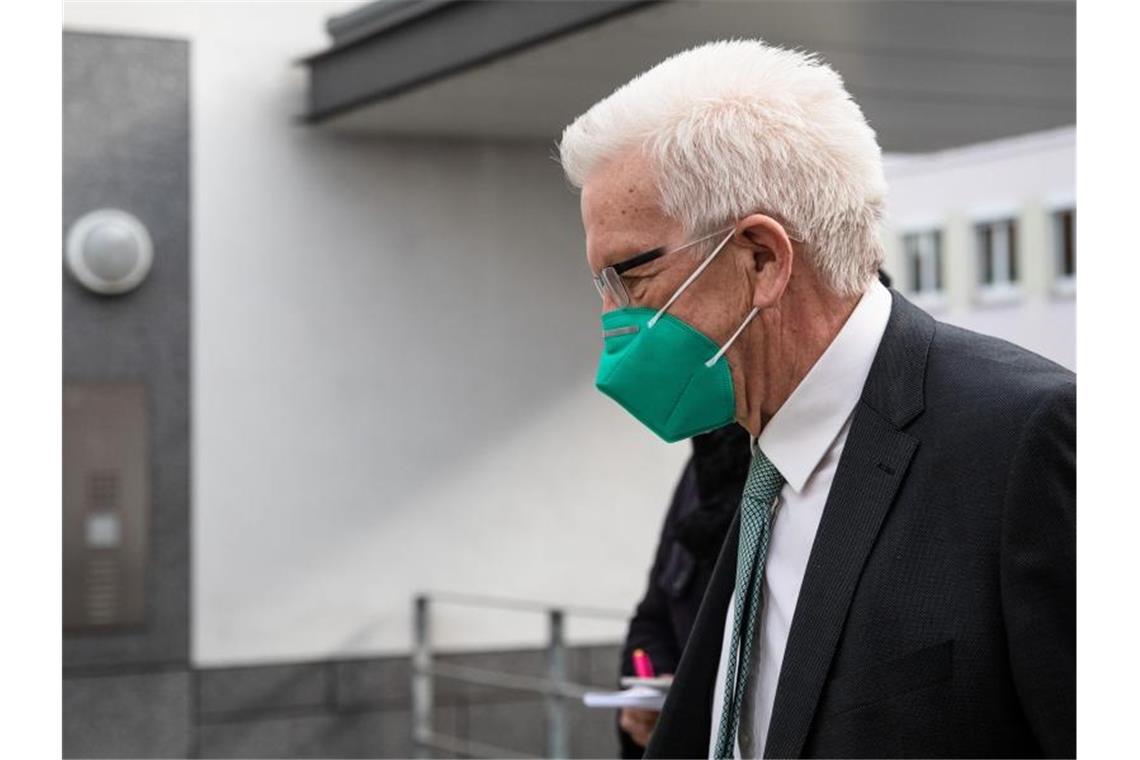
<point x="737" y="127"/>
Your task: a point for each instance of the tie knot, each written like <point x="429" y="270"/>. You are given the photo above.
<point x="764" y="480"/>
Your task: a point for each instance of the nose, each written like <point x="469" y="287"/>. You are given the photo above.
<point x="609" y="303"/>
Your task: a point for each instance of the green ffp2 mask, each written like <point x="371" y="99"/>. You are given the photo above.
<point x="666" y="373"/>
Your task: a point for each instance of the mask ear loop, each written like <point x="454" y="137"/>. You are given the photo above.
<point x="687" y="282"/>
<point x="735" y="335"/>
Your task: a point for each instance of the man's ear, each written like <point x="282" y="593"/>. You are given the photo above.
<point x="772" y="257"/>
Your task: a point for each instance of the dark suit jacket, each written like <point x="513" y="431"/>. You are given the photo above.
<point x="937" y="615"/>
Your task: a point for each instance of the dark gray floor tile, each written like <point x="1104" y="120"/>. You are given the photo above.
<point x="605" y="666"/>
<point x="145" y="715"/>
<point x="346" y="735"/>
<point x="515" y="726"/>
<point x="593" y="732"/>
<point x="382" y="682"/>
<point x="226" y="691"/>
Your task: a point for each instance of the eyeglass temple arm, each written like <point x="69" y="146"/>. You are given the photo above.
<point x="638" y="260"/>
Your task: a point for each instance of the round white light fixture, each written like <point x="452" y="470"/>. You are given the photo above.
<point x="109" y="251"/>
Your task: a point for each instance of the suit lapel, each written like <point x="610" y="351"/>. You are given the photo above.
<point x="869" y="472"/>
<point x="684" y="725"/>
<point x="872" y="467"/>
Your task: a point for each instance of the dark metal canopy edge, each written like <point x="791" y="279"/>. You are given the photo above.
<point x="386" y="49"/>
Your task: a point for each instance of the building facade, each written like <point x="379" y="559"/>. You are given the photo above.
<point x="984" y="236"/>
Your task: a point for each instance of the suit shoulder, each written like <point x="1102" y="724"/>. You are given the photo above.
<point x="990" y="361"/>
<point x="991" y="374"/>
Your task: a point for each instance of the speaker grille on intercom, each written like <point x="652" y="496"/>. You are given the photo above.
<point x="102" y="590"/>
<point x="103" y="489"/>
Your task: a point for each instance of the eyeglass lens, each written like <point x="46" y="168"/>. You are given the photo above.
<point x="614" y="285"/>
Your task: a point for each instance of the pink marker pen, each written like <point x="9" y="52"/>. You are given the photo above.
<point x="642" y="667"/>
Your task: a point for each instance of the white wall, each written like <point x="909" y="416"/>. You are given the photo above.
<point x="1024" y="177"/>
<point x="394" y="347"/>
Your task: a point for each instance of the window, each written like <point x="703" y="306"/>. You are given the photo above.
<point x="997" y="255"/>
<point x="923" y="253"/>
<point x="1065" y="244"/>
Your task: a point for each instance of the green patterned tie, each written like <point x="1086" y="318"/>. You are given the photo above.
<point x="756" y="509"/>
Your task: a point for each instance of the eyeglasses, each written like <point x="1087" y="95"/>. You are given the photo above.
<point x="609" y="281"/>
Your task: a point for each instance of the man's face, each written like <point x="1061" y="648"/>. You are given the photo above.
<point x="622" y="218"/>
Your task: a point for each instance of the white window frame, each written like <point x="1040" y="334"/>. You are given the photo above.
<point x="1063" y="285"/>
<point x="930" y="241"/>
<point x="1002" y="290"/>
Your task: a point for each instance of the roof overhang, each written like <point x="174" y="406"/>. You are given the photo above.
<point x="384" y="49"/>
<point x="929" y="75"/>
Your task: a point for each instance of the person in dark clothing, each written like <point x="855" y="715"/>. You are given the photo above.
<point x="698" y="519"/>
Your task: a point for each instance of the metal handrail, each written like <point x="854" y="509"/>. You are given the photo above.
<point x="510" y="681"/>
<point x="554" y="686"/>
<point x="524" y="605"/>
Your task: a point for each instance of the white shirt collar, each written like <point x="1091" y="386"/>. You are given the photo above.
<point x="803" y="429"/>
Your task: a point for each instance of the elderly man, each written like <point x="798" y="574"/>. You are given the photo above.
<point x="900" y="577"/>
